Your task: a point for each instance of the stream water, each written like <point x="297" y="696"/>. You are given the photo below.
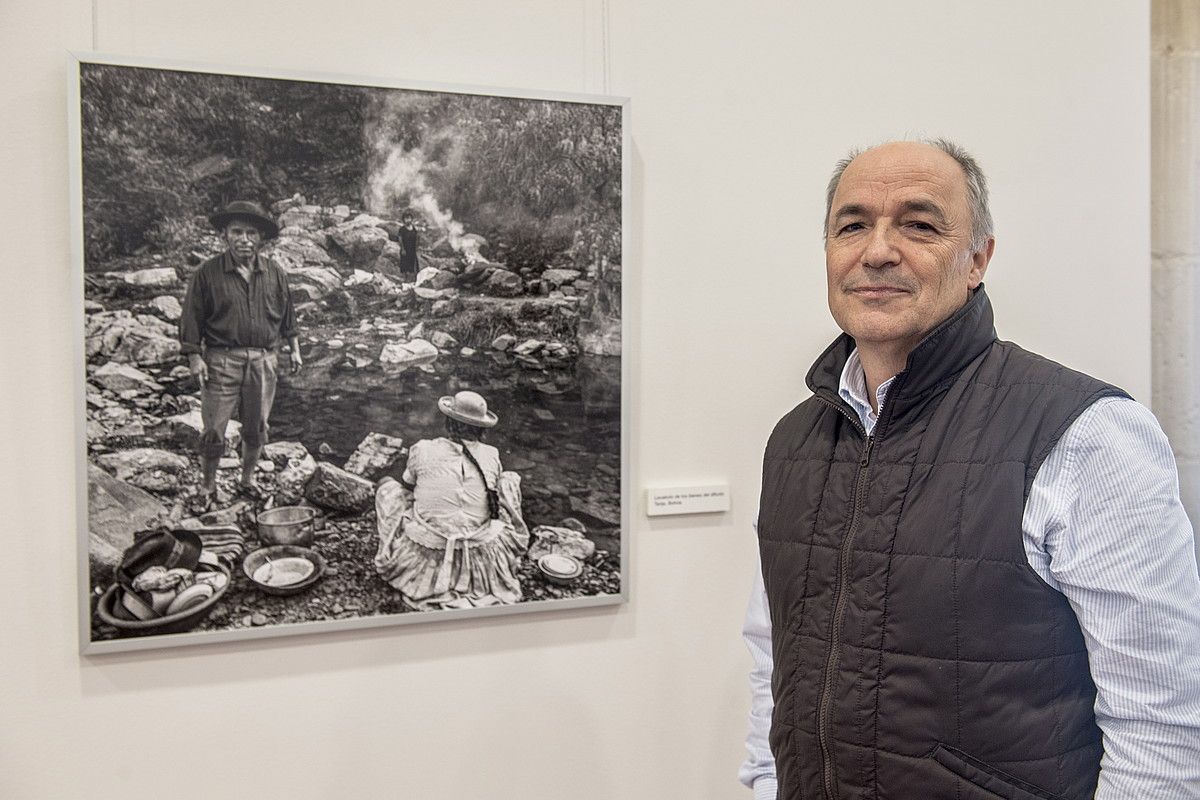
<point x="559" y="429"/>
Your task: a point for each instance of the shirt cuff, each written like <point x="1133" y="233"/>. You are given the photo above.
<point x="188" y="349"/>
<point x="766" y="788"/>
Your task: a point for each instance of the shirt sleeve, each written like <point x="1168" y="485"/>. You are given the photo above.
<point x="191" y="330"/>
<point x="413" y="465"/>
<point x="1115" y="540"/>
<point x="287" y="326"/>
<point x="758" y="770"/>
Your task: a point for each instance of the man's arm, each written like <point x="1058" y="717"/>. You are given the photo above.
<point x="758" y="770"/>
<point x="287" y="326"/>
<point x="1117" y="543"/>
<point x="191" y="326"/>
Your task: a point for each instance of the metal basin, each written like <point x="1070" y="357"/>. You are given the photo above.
<point x="257" y="558"/>
<point x="294" y="525"/>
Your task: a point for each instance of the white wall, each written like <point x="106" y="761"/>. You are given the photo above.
<point x="739" y="111"/>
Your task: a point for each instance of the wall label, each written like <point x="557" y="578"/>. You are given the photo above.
<point x="687" y="500"/>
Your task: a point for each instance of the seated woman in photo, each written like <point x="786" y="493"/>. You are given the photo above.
<point x="451" y="531"/>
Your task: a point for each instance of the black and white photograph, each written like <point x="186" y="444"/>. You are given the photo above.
<point x="352" y="352"/>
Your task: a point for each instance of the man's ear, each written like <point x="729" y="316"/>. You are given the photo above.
<point x="980" y="260"/>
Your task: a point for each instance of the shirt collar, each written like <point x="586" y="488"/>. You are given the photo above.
<point x="228" y="263"/>
<point x="852" y="387"/>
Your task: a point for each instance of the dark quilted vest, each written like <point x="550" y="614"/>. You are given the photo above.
<point x="917" y="655"/>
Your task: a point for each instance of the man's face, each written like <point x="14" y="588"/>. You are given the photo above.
<point x="243" y="238"/>
<point x="898" y="255"/>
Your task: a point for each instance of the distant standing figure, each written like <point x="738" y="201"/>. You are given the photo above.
<point x="451" y="532"/>
<point x="237" y="308"/>
<point x="409" y="232"/>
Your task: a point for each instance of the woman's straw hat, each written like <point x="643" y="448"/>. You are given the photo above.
<point x="468" y="407"/>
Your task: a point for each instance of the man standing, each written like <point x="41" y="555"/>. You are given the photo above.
<point x="977" y="578"/>
<point x="408" y="235"/>
<point x="236" y="310"/>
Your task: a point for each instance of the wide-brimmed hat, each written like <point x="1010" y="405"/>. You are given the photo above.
<point x="468" y="407"/>
<point x="161" y="548"/>
<point x="246" y="209"/>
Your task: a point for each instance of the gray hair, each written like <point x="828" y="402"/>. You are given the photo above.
<point x="977" y="192"/>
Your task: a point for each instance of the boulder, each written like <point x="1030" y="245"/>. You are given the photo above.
<point x="410" y="354"/>
<point x="426" y="276"/>
<point x="116" y="510"/>
<point x="360" y="277"/>
<point x="296" y="468"/>
<point x="558" y="277"/>
<point x="547" y="539"/>
<point x="389" y="259"/>
<point x="323" y="279"/>
<point x="360" y="240"/>
<point x="146" y="468"/>
<point x="595" y="512"/>
<point x="158" y="277"/>
<point x="305" y="216"/>
<point x="418" y="331"/>
<point x="293" y="252"/>
<point x="167" y="307"/>
<point x="334" y="488"/>
<point x="118" y="377"/>
<point x="374" y="455"/>
<point x="502" y="283"/>
<point x="445" y="308"/>
<point x="443" y="340"/>
<point x="528" y="347"/>
<point x="140" y="346"/>
<point x="444" y="279"/>
<point x="503" y="342"/>
<point x="383" y="286"/>
<point x="426" y="293"/>
<point x="185" y="429"/>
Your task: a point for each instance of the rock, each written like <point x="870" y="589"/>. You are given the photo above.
<point x="410" y="354"/>
<point x="91" y="307"/>
<point x="334" y="488"/>
<point x="280" y="206"/>
<point x="425" y="276"/>
<point x="559" y="277"/>
<point x="389" y="260"/>
<point x="146" y="468"/>
<point x="426" y="293"/>
<point x="167" y="307"/>
<point x="359" y="277"/>
<point x="296" y="468"/>
<point x="342" y="212"/>
<point x="158" y="277"/>
<point x="467" y="352"/>
<point x="543" y="414"/>
<point x="258" y="618"/>
<point x="503" y="342"/>
<point x="341" y="302"/>
<point x="528" y="347"/>
<point x="185" y="429"/>
<point x="325" y="448"/>
<point x="304" y="216"/>
<point x="360" y="240"/>
<point x="383" y="286"/>
<point x="502" y="283"/>
<point x="229" y="462"/>
<point x="445" y="279"/>
<point x="594" y="511"/>
<point x="374" y="455"/>
<point x="548" y="539"/>
<point x="323" y="280"/>
<point x="142" y="347"/>
<point x="418" y="331"/>
<point x="117" y="377"/>
<point x="573" y="524"/>
<point x="444" y="308"/>
<point x="116" y="511"/>
<point x="443" y="340"/>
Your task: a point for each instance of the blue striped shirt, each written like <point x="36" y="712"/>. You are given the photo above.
<point x="1103" y="525"/>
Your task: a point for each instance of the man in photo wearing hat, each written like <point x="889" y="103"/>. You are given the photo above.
<point x="237" y="308"/>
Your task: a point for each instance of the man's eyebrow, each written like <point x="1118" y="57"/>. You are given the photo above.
<point x="850" y="210"/>
<point x="924" y="206"/>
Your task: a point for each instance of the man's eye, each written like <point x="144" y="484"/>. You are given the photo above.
<point x="850" y="227"/>
<point x="924" y="227"/>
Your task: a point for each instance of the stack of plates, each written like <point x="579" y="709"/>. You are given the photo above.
<point x="560" y="568"/>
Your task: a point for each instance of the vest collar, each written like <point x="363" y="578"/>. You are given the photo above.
<point x="939" y="357"/>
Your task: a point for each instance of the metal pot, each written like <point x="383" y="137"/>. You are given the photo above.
<point x="294" y="525"/>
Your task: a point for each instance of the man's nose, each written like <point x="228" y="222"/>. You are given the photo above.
<point x="881" y="247"/>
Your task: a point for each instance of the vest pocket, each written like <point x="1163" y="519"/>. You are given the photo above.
<point x="987" y="777"/>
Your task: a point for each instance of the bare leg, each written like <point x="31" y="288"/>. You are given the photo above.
<point x="208" y="473"/>
<point x="250" y="456"/>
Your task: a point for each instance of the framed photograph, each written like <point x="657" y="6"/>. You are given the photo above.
<point x="351" y="351"/>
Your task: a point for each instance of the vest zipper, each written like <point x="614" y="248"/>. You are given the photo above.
<point x="839" y="613"/>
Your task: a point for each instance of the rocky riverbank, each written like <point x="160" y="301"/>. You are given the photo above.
<point x="465" y="322"/>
